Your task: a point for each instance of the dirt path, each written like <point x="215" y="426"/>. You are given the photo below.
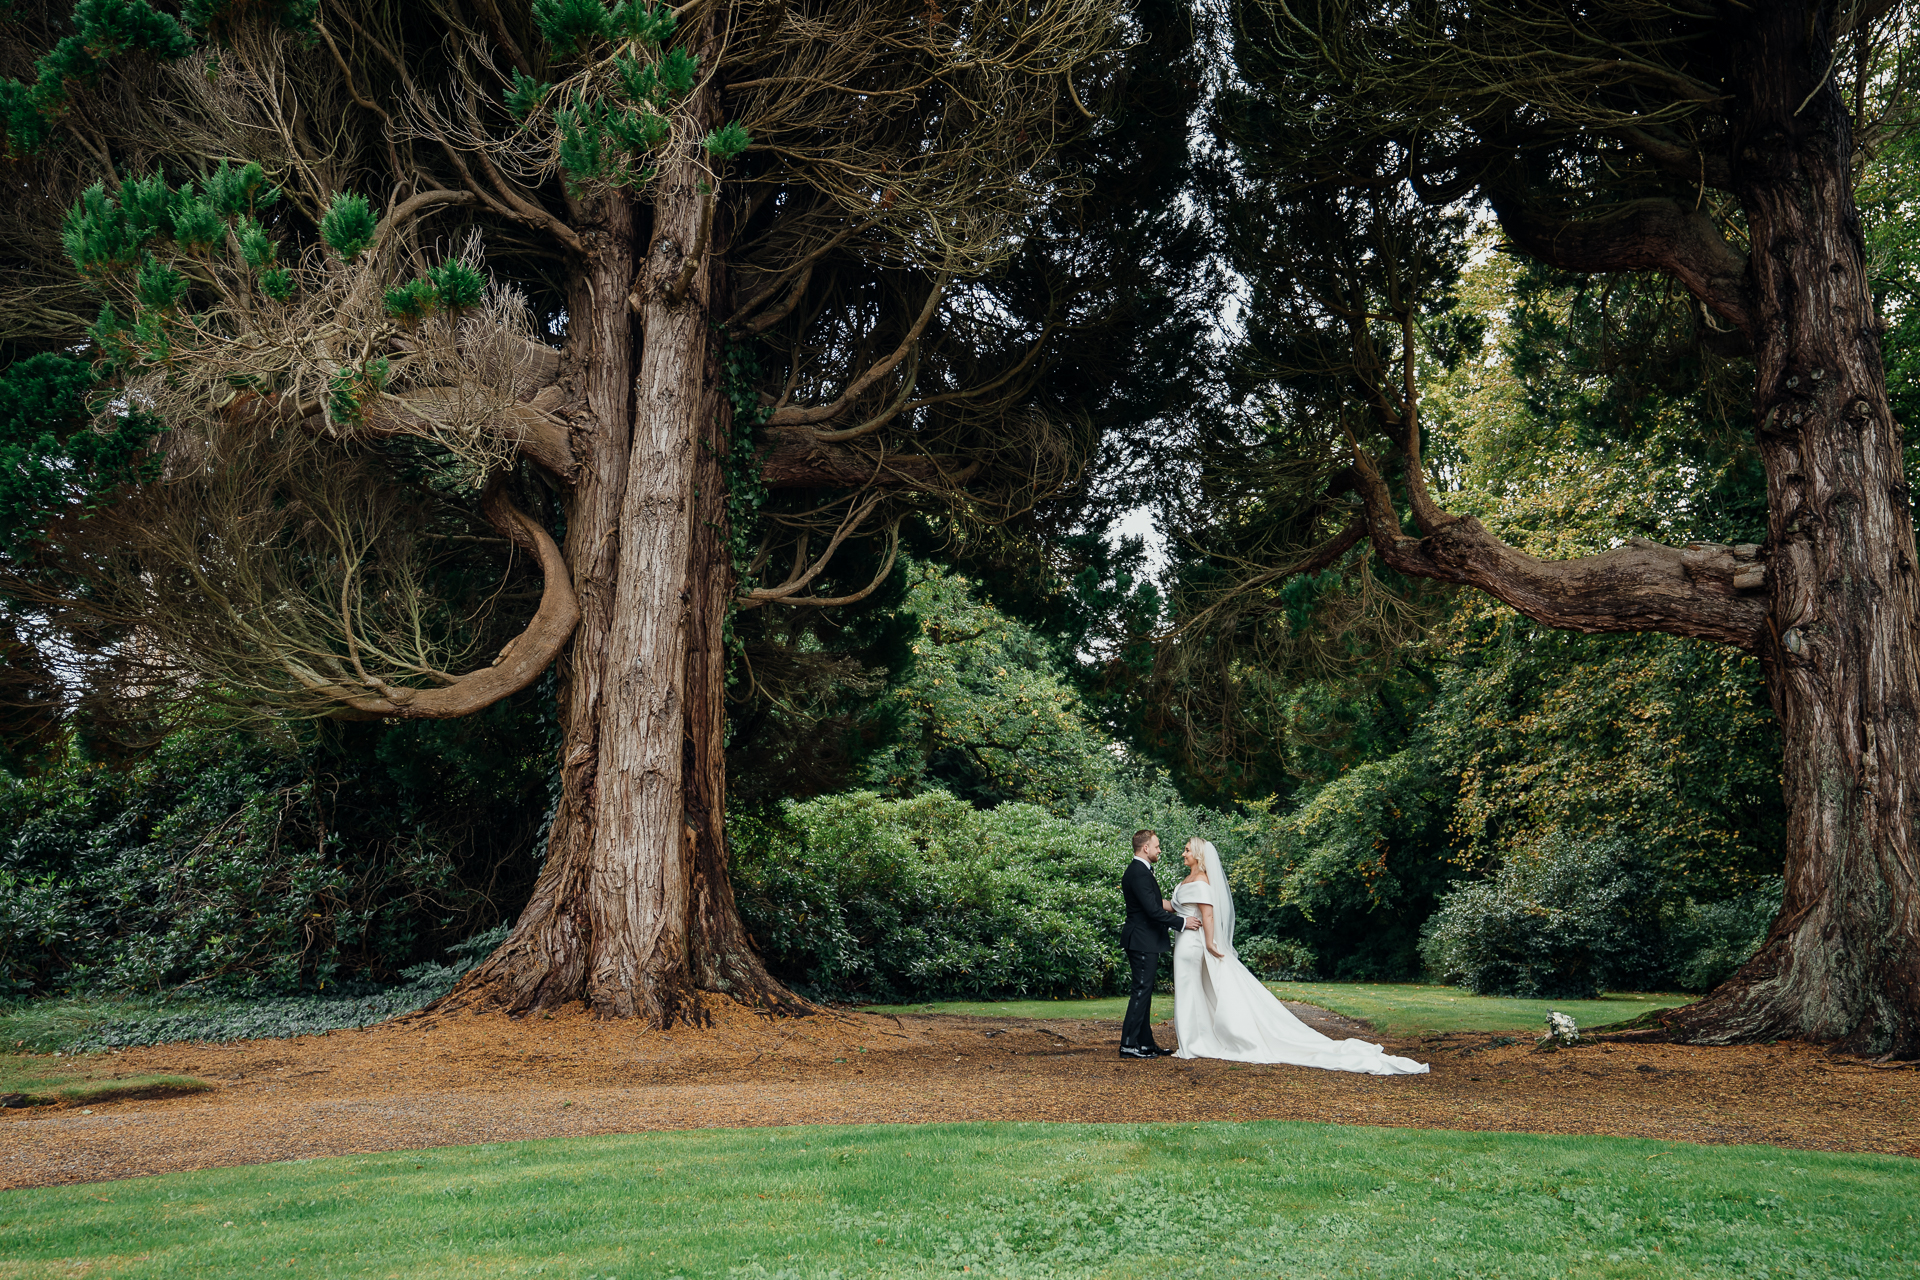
<point x="467" y="1079"/>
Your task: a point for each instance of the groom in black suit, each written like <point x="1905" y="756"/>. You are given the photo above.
<point x="1144" y="937"/>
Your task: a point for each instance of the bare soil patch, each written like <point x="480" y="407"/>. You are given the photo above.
<point x="469" y="1078"/>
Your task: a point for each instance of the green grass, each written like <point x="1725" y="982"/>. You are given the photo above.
<point x="1410" y="1008"/>
<point x="86" y="1080"/>
<point x="1266" y="1199"/>
<point x="1394" y="1008"/>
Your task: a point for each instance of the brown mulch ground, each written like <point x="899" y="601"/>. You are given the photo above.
<point x="431" y="1082"/>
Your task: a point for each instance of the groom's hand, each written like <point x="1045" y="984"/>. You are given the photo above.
<point x="1192" y="923"/>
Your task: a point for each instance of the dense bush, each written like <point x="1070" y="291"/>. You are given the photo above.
<point x="1277" y="959"/>
<point x="1349" y="875"/>
<point x="1567" y="919"/>
<point x="259" y="863"/>
<point x="859" y="897"/>
<point x="1707" y="941"/>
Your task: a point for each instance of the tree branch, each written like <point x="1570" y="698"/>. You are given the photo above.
<point x="821" y="413"/>
<point x="1706" y="592"/>
<point x="1655" y="234"/>
<point x="795" y="460"/>
<point x="520" y="662"/>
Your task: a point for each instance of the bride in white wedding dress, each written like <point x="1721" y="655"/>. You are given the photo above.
<point x="1220" y="1010"/>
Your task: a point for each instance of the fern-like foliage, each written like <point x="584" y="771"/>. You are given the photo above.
<point x="644" y="21"/>
<point x="457" y="286"/>
<point x="103" y="30"/>
<point x="348" y="225"/>
<point x="572" y="25"/>
<point x="728" y="141"/>
<point x="159" y="285"/>
<point x="524" y="95"/>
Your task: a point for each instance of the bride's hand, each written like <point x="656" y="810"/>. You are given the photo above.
<point x="1216" y="952"/>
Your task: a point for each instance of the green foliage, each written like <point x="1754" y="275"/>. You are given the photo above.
<point x="1278" y="959"/>
<point x="190" y="869"/>
<point x="678" y="69"/>
<point x="217" y="17"/>
<point x="53" y="464"/>
<point x="728" y="141"/>
<point x="411" y="302"/>
<point x="1563" y="919"/>
<point x="571" y="26"/>
<point x="452" y="286"/>
<point x="1889" y="197"/>
<point x="592" y="136"/>
<point x="645" y="21"/>
<point x="250" y="865"/>
<point x="257" y="248"/>
<point x="1707" y="941"/>
<point x="858" y="896"/>
<point x="159" y="285"/>
<point x="746" y="483"/>
<point x="349" y="225"/>
<point x="352" y="387"/>
<point x="456" y="286"/>
<point x="524" y="95"/>
<point x="1351" y="872"/>
<point x="238" y="191"/>
<point x="97" y="234"/>
<point x="982" y="708"/>
<point x="278" y="284"/>
<point x="583" y="151"/>
<point x="197" y="225"/>
<point x="103" y="30"/>
<point x="637" y="130"/>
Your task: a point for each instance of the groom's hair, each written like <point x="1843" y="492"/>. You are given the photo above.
<point x="1141" y="837"/>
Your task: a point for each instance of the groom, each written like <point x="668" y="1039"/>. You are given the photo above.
<point x="1144" y="936"/>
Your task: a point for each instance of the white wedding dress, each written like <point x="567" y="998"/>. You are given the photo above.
<point x="1220" y="1010"/>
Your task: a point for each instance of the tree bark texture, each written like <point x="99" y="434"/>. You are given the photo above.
<point x="633" y="912"/>
<point x="1842" y="651"/>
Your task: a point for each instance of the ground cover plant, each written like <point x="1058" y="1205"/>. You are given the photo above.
<point x="1391" y="1008"/>
<point x="33" y="1081"/>
<point x="1257" y="1199"/>
<point x="108" y="1020"/>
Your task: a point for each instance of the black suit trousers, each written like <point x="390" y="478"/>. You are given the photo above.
<point x="1137" y="1031"/>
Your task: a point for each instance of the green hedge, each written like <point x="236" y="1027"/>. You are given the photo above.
<point x="854" y="896"/>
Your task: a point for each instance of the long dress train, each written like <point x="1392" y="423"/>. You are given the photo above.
<point x="1220" y="1010"/>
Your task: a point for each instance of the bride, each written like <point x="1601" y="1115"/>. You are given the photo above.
<point x="1220" y="1010"/>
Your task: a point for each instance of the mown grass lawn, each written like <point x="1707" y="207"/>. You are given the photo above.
<point x="1394" y="1008"/>
<point x="1262" y="1199"/>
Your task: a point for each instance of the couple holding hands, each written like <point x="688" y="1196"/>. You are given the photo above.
<point x="1220" y="1010"/>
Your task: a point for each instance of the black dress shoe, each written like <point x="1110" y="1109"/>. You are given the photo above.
<point x="1135" y="1051"/>
<point x="1157" y="1051"/>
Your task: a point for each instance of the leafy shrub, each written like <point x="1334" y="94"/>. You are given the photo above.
<point x="855" y="896"/>
<point x="1277" y="959"/>
<point x="981" y="707"/>
<point x="1566" y="919"/>
<point x="1134" y="800"/>
<point x="89" y="1025"/>
<point x="1707" y="941"/>
<point x="1350" y="872"/>
<point x="265" y="865"/>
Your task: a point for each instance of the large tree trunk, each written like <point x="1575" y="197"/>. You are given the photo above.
<point x="1842" y="961"/>
<point x="633" y="912"/>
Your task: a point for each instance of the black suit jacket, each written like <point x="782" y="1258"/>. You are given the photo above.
<point x="1146" y="926"/>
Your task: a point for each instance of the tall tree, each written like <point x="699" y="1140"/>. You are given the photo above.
<point x="332" y="239"/>
<point x="1715" y="145"/>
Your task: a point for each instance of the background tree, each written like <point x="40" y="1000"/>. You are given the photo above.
<point x="332" y="242"/>
<point x="1717" y="146"/>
